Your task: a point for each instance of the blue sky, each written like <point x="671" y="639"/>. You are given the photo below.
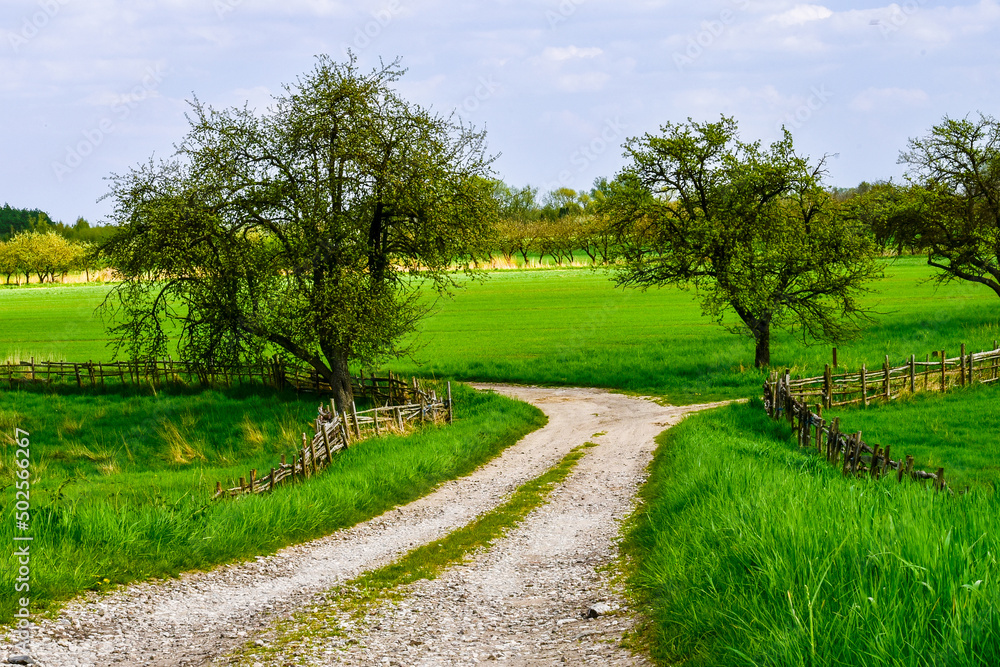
<point x="92" y="87"/>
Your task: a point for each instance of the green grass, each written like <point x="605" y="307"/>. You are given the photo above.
<point x="750" y="552"/>
<point x="360" y="595"/>
<point x="573" y="327"/>
<point x="153" y="517"/>
<point x="959" y="431"/>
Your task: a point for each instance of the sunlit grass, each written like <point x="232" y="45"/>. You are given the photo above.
<point x="128" y="497"/>
<point x="749" y="551"/>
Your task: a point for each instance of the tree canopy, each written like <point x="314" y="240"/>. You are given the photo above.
<point x="306" y="230"/>
<point x="952" y="209"/>
<point x="751" y="228"/>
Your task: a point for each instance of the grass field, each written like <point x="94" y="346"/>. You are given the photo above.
<point x="750" y="552"/>
<point x="959" y="431"/>
<point x="573" y="327"/>
<point x="113" y="503"/>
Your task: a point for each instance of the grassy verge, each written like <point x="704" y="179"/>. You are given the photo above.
<point x="748" y="552"/>
<point x="99" y="530"/>
<point x="307" y="630"/>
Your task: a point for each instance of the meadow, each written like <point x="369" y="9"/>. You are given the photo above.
<point x="574" y="327"/>
<point x="749" y="551"/>
<point x="123" y="482"/>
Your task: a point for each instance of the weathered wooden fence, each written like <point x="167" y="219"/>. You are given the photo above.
<point x="936" y="372"/>
<point x="273" y="373"/>
<point x="848" y="450"/>
<point x="335" y="432"/>
<point x="787" y="397"/>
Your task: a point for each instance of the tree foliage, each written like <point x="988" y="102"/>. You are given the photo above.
<point x="750" y="227"/>
<point x="305" y="230"/>
<point x="952" y="209"/>
<point x="44" y="255"/>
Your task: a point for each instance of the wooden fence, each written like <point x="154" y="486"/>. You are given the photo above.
<point x="936" y="372"/>
<point x="859" y="458"/>
<point x="788" y="398"/>
<point x="335" y="432"/>
<point x="276" y="373"/>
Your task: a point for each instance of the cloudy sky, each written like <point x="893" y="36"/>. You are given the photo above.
<point x="91" y="87"/>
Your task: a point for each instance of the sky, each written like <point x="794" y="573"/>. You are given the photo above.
<point x="91" y="88"/>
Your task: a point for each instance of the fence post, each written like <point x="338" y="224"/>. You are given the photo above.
<point x="344" y="427"/>
<point x="864" y="385"/>
<point x="451" y="410"/>
<point x="847" y="455"/>
<point x="961" y="363"/>
<point x="913" y="373"/>
<point x="857" y="453"/>
<point x="944" y="372"/>
<point x="326" y="440"/>
<point x="305" y="451"/>
<point x="939" y="482"/>
<point x="357" y="426"/>
<point x="827" y="387"/>
<point x="399" y="419"/>
<point x="885" y="370"/>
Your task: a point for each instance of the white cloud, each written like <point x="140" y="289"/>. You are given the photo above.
<point x="880" y="99"/>
<point x="801" y="14"/>
<point x="560" y="54"/>
<point x="587" y="82"/>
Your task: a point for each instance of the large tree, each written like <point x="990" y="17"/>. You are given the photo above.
<point x="307" y="229"/>
<point x="751" y="228"/>
<point x="952" y="209"/>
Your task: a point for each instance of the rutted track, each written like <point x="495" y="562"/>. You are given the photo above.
<point x="522" y="601"/>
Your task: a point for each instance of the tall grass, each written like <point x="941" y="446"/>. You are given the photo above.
<point x="93" y="531"/>
<point x="749" y="552"/>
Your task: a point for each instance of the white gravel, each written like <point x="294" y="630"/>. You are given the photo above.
<point x="521" y="602"/>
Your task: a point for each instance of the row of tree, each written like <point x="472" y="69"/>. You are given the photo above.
<point x="15" y="221"/>
<point x="47" y="256"/>
<point x="310" y="229"/>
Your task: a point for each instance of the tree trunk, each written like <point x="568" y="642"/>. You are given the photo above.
<point x="339" y="377"/>
<point x="762" y="336"/>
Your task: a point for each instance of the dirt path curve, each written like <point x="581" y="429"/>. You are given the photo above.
<point x="510" y="600"/>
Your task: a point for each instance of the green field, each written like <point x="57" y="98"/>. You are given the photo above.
<point x="573" y="327"/>
<point x="959" y="431"/>
<point x="119" y="495"/>
<point x="749" y="551"/>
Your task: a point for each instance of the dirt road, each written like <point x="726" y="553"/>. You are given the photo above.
<point x="521" y="602"/>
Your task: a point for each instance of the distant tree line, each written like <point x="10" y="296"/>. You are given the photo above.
<point x="14" y="221"/>
<point x="564" y="224"/>
<point x="32" y="244"/>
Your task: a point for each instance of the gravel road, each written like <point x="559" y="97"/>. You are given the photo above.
<point x="522" y="602"/>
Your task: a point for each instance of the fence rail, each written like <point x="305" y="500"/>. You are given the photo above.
<point x="336" y="432"/>
<point x="273" y="373"/>
<point x="936" y="372"/>
<point x="859" y="457"/>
